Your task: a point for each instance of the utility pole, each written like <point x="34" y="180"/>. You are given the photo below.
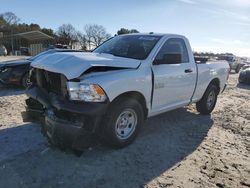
<point x="12" y="41"/>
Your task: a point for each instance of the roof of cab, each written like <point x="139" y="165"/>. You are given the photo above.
<point x="157" y="34"/>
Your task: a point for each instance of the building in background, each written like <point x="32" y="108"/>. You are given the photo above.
<point x="27" y="43"/>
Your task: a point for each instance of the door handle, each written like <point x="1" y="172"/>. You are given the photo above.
<point x="188" y="71"/>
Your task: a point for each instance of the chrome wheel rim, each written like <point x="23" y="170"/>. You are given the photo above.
<point x="211" y="99"/>
<point x="126" y="124"/>
<point x="28" y="82"/>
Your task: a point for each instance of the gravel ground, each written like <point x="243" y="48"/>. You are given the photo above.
<point x="177" y="149"/>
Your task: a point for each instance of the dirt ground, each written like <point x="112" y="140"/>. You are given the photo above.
<point x="177" y="149"/>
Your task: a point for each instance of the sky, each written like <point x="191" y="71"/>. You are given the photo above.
<point x="210" y="25"/>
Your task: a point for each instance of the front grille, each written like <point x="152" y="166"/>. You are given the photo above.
<point x="51" y="82"/>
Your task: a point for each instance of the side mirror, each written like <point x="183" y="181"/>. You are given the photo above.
<point x="168" y="59"/>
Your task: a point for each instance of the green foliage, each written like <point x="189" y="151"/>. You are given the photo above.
<point x="2" y="22"/>
<point x="49" y="32"/>
<point x="126" y="31"/>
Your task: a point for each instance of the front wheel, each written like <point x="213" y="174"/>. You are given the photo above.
<point x="237" y="70"/>
<point x="123" y="122"/>
<point x="207" y="103"/>
<point x="25" y="82"/>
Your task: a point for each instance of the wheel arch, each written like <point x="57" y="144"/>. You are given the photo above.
<point x="136" y="95"/>
<point x="215" y="82"/>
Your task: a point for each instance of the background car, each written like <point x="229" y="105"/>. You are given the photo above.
<point x="245" y="66"/>
<point x="234" y="62"/>
<point x="3" y="50"/>
<point x="24" y="51"/>
<point x="244" y="76"/>
<point x="59" y="46"/>
<point x="17" y="71"/>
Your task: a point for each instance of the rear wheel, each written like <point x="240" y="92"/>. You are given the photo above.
<point x="208" y="101"/>
<point x="123" y="122"/>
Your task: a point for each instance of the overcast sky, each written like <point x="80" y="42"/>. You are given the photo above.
<point x="211" y="25"/>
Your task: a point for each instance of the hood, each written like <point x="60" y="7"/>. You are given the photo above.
<point x="247" y="70"/>
<point x="15" y="62"/>
<point x="73" y="64"/>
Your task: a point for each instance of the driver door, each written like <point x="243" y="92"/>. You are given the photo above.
<point x="174" y="76"/>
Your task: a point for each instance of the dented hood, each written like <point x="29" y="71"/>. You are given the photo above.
<point x="73" y="64"/>
<point x="16" y="62"/>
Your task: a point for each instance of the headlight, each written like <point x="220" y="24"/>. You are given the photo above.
<point x="86" y="92"/>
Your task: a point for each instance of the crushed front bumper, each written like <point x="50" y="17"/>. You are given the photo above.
<point x="65" y="123"/>
<point x="65" y="133"/>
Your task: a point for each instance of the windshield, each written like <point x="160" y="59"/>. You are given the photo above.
<point x="129" y="46"/>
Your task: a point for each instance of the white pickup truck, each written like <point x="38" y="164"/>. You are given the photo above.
<point x="112" y="90"/>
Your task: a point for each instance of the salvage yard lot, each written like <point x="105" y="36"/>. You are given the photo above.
<point x="178" y="148"/>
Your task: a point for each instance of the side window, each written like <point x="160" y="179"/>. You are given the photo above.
<point x="174" y="51"/>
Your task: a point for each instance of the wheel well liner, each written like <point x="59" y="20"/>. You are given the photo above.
<point x="216" y="82"/>
<point x="136" y="95"/>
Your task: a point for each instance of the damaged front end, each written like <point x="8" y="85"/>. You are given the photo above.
<point x="65" y="122"/>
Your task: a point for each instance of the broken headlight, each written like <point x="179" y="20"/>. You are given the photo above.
<point x="86" y="92"/>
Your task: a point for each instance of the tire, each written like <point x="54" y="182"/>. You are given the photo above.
<point x="25" y="82"/>
<point x="237" y="70"/>
<point x="122" y="122"/>
<point x="207" y="103"/>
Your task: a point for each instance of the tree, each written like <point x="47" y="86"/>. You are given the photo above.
<point x="134" y="31"/>
<point x="47" y="31"/>
<point x="66" y="34"/>
<point x="10" y="18"/>
<point x="122" y="31"/>
<point x="34" y="27"/>
<point x="81" y="38"/>
<point x="95" y="34"/>
<point x="126" y="31"/>
<point x="2" y="22"/>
